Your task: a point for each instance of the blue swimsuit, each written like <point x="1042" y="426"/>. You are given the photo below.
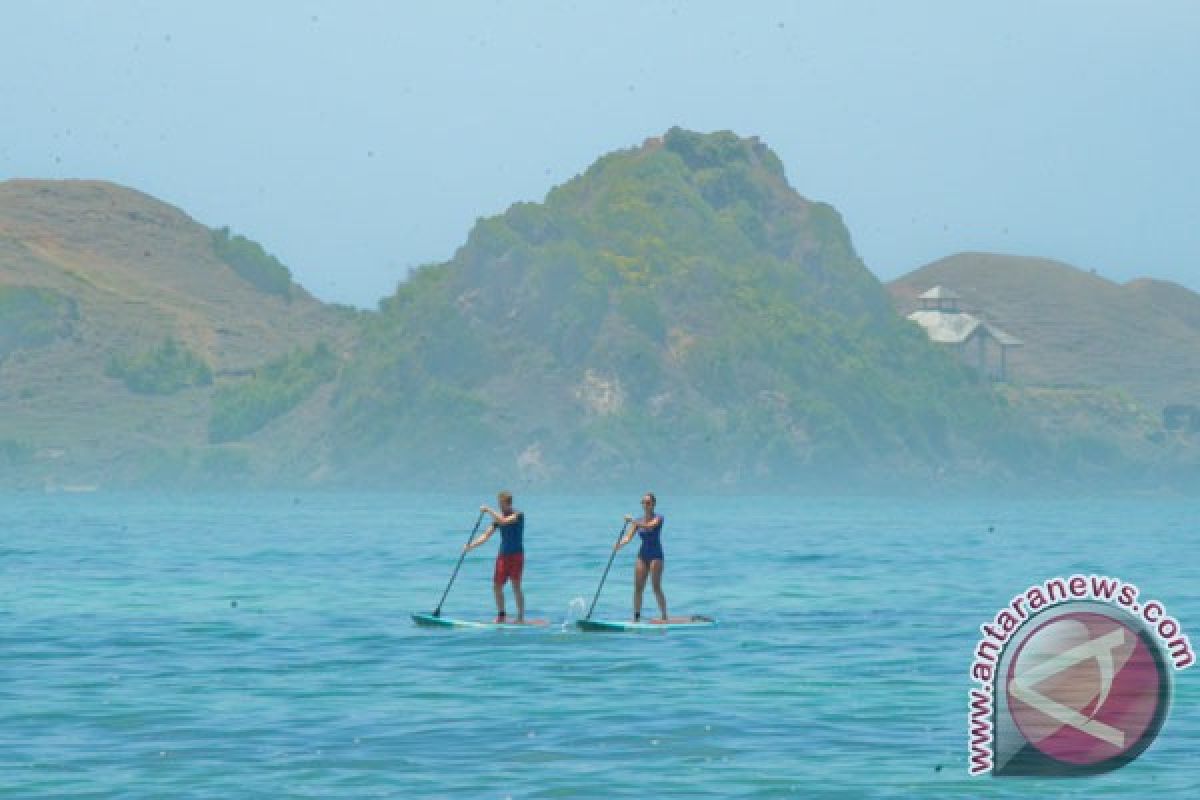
<point x="652" y="541"/>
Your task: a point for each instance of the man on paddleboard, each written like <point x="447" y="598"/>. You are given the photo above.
<point x="510" y="561"/>
<point x="650" y="556"/>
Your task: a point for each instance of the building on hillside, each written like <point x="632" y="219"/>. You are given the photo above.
<point x="970" y="336"/>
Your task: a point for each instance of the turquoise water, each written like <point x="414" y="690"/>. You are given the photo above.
<point x="839" y="668"/>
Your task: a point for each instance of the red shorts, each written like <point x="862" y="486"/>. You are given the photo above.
<point x="508" y="566"/>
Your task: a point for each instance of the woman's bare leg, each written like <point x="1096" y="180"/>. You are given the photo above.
<point x="639" y="584"/>
<point x="656" y="571"/>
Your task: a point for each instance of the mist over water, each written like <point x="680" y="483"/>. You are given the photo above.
<point x="259" y="645"/>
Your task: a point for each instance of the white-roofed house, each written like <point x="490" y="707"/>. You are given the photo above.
<point x="969" y="335"/>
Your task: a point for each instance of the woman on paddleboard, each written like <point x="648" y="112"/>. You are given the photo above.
<point x="510" y="561"/>
<point x="650" y="556"/>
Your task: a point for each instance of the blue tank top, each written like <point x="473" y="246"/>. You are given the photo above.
<point x="652" y="540"/>
<point x="512" y="535"/>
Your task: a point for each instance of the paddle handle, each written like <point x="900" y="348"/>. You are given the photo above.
<point x="437" y="612"/>
<point x="604" y="577"/>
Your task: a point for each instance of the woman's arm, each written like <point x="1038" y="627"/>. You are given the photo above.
<point x="633" y="526"/>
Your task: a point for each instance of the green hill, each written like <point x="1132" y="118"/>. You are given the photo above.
<point x="120" y="320"/>
<point x="675" y="314"/>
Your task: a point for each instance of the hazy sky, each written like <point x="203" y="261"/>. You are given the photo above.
<point x="356" y="139"/>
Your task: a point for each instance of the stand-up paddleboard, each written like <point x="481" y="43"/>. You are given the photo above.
<point x="431" y="621"/>
<point x="673" y="624"/>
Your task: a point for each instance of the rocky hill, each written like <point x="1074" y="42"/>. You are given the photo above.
<point x="677" y="313"/>
<point x="675" y="316"/>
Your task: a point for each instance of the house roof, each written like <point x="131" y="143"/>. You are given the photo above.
<point x="946" y="327"/>
<point x="940" y="293"/>
<point x="956" y="327"/>
<point x="1006" y="339"/>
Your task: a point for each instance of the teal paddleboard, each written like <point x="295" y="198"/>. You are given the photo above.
<point x="430" y="621"/>
<point x="673" y="624"/>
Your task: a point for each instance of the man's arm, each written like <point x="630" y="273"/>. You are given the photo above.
<point x="499" y="518"/>
<point x="483" y="537"/>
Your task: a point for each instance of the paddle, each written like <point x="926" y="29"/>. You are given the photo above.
<point x="604" y="577"/>
<point x="437" y="612"/>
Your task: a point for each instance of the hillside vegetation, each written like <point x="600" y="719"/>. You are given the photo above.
<point x="120" y="320"/>
<point x="675" y="313"/>
<point x="166" y="369"/>
<point x="676" y="316"/>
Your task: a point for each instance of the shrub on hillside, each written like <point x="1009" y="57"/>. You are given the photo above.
<point x="255" y="265"/>
<point x="166" y="369"/>
<point x="31" y="317"/>
<point x="15" y="453"/>
<point x="275" y="389"/>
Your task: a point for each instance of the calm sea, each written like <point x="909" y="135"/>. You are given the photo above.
<point x="243" y="646"/>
